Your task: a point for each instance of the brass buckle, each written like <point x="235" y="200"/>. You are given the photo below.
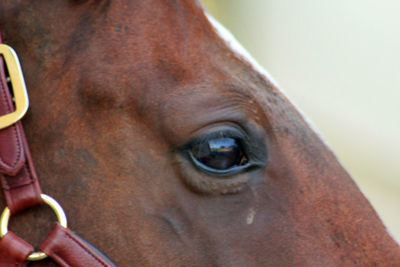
<point x="18" y="86"/>
<point x="62" y="219"/>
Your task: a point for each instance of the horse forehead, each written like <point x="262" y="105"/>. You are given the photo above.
<point x="154" y="70"/>
<point x="149" y="59"/>
<point x="168" y="77"/>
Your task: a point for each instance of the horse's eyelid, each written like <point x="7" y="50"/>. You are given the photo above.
<point x="222" y="132"/>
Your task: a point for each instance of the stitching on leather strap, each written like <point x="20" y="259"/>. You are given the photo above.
<point x="19" y="150"/>
<point x="9" y="188"/>
<point x="86" y="250"/>
<point x="18" y="186"/>
<point x="61" y="260"/>
<point x="31" y="180"/>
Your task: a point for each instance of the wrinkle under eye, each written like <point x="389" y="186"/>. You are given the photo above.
<point x="220" y="153"/>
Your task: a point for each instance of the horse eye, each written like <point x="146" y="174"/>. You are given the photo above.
<point x="220" y="153"/>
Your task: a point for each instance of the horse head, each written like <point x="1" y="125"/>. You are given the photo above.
<point x="168" y="146"/>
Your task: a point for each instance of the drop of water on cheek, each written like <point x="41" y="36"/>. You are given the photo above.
<point x="250" y="216"/>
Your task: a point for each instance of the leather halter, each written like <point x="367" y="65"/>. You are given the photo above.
<point x="21" y="186"/>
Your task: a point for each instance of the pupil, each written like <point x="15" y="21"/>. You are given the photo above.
<point x="220" y="153"/>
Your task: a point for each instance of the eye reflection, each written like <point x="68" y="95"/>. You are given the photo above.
<point x="220" y="153"/>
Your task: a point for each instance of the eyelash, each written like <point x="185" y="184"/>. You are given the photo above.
<point x="217" y="134"/>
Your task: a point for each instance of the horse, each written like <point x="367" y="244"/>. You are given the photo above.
<point x="167" y="145"/>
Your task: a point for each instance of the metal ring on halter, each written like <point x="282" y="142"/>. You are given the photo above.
<point x="62" y="219"/>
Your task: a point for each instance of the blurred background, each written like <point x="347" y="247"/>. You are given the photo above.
<point x="339" y="61"/>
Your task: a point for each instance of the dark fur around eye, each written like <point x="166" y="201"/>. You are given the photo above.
<point x="226" y="151"/>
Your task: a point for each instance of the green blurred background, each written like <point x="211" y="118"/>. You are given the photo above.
<point x="339" y="61"/>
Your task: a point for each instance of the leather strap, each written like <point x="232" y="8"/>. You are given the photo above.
<point x="13" y="251"/>
<point x="18" y="176"/>
<point x="68" y="249"/>
<point x="22" y="190"/>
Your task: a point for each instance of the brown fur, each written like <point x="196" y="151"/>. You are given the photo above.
<point x="116" y="86"/>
